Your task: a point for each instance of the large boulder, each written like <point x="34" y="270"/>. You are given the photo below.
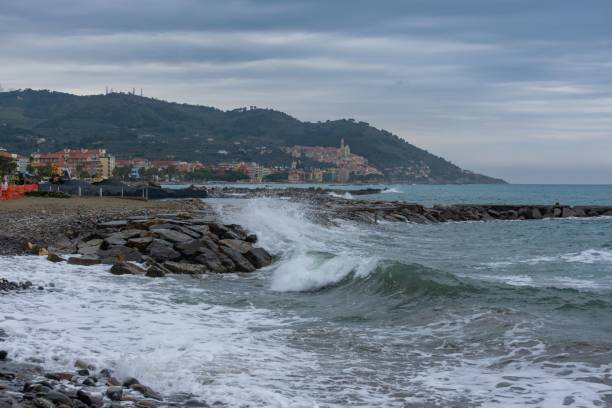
<point x="185" y="268"/>
<point x="113" y="240"/>
<point x="90" y="247"/>
<point x="201" y="229"/>
<point x="84" y="261"/>
<point x="189" y="248"/>
<point x="567" y="212"/>
<point x="213" y="261"/>
<point x="171" y="235"/>
<point x="54" y="257"/>
<point x="126" y="268"/>
<point x="119" y="253"/>
<point x="161" y="250"/>
<point x="530" y="213"/>
<point x="188" y="231"/>
<point x="157" y="270"/>
<point x="114" y="224"/>
<point x="259" y="257"/>
<point x="241" y="263"/>
<point x="140" y="243"/>
<point x="236" y="244"/>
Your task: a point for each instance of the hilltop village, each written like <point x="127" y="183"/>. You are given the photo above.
<point x="309" y="164"/>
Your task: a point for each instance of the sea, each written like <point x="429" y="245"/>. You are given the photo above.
<point x="461" y="314"/>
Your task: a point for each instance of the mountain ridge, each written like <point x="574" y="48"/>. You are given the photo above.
<point x="129" y="125"/>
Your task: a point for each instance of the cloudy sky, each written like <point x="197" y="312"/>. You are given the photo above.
<point x="517" y="89"/>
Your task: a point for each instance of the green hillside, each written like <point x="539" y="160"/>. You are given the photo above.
<point x="129" y="125"/>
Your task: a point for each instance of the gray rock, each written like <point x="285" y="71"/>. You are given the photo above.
<point x="162" y="251"/>
<point x="3" y="354"/>
<point x="89" y="381"/>
<point x="189" y="248"/>
<point x="89" y="247"/>
<point x="113" y="224"/>
<point x="57" y="398"/>
<point x="114" y="393"/>
<point x="41" y="403"/>
<point x="259" y="257"/>
<point x="236" y="244"/>
<point x="113" y="241"/>
<point x="84" y="261"/>
<point x="185" y="268"/>
<point x="125" y="268"/>
<point x="128" y="233"/>
<point x="536" y="214"/>
<point x="210" y="242"/>
<point x="55" y="258"/>
<point x="165" y="225"/>
<point x="147" y="391"/>
<point x="201" y="229"/>
<point x="212" y="261"/>
<point x="171" y="235"/>
<point x="139" y="243"/>
<point x="119" y="253"/>
<point x="156" y="271"/>
<point x="128" y="382"/>
<point x="89" y="399"/>
<point x="567" y="212"/>
<point x="240" y="262"/>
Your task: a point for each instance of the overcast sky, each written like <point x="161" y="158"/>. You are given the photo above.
<point x="516" y="89"/>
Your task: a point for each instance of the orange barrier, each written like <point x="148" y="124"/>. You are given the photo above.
<point x="13" y="191"/>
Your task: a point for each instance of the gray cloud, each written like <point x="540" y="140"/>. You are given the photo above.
<point x="498" y="87"/>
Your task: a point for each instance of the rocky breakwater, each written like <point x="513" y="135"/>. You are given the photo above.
<point x="179" y="243"/>
<point x="293" y="192"/>
<point x="394" y="211"/>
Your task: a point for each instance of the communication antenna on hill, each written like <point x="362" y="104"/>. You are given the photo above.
<point x="140" y="92"/>
<point x="133" y="91"/>
<point x="106" y="93"/>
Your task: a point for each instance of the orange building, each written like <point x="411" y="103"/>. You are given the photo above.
<point x="94" y="162"/>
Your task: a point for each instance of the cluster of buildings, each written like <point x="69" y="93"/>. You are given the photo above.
<point x="345" y="165"/>
<point x="340" y="165"/>
<point x="86" y="163"/>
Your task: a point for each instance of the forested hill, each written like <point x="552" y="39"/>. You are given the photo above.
<point x="129" y="125"/>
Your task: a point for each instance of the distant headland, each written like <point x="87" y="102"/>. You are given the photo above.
<point x="149" y="138"/>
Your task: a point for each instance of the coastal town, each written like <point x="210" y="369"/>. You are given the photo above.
<point x="309" y="164"/>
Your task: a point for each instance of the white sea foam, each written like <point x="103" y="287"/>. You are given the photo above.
<point x="391" y="190"/>
<point x="346" y="195"/>
<point x="139" y="327"/>
<point x="588" y="256"/>
<point x="313" y="256"/>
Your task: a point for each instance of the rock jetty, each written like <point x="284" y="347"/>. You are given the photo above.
<point x="394" y="211"/>
<point x="180" y="243"/>
<point x="294" y="192"/>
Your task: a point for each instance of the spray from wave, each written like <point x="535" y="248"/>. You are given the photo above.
<point x="347" y="195"/>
